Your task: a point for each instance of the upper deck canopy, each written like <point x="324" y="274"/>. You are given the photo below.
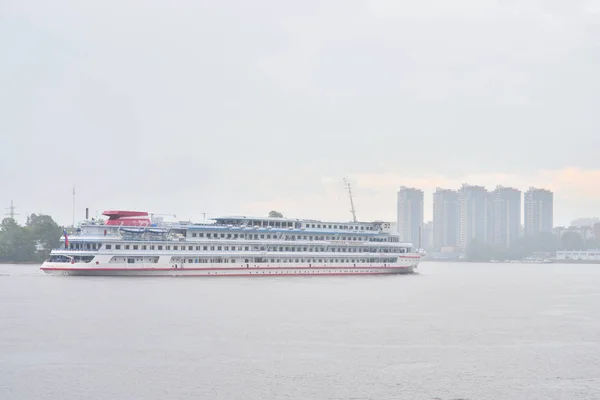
<point x="127" y="218"/>
<point x="276" y="222"/>
<point x="242" y="218"/>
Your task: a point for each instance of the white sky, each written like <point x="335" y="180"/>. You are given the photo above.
<point x="238" y="107"/>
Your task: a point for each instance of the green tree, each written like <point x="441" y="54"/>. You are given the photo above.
<point x="478" y="251"/>
<point x="526" y="246"/>
<point x="45" y="232"/>
<point x="590" y="244"/>
<point x="547" y="242"/>
<point x="572" y="241"/>
<point x="275" y="214"/>
<point x="16" y="242"/>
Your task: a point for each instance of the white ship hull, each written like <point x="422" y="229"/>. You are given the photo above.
<point x="123" y="270"/>
<point x="232" y="246"/>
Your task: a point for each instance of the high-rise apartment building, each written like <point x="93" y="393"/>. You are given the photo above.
<point x="539" y="211"/>
<point x="445" y="218"/>
<point x="474" y="214"/>
<point x="427" y="236"/>
<point x="410" y="215"/>
<point x="504" y="216"/>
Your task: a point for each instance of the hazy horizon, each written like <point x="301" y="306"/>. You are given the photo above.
<point x="240" y="108"/>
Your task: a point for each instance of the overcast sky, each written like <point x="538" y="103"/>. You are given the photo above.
<point x="240" y="107"/>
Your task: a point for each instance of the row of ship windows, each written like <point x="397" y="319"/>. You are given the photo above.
<point x="259" y="260"/>
<point x="290" y="237"/>
<point x="78" y="259"/>
<point x="287" y="224"/>
<point x="330" y="226"/>
<point x="257" y="248"/>
<point x="97" y="246"/>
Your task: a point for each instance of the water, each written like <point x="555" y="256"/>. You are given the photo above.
<point x="455" y="331"/>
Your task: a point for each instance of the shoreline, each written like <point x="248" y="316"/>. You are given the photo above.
<point x="21" y="263"/>
<point x="574" y="262"/>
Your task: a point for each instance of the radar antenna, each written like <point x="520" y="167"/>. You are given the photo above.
<point x="352" y="209"/>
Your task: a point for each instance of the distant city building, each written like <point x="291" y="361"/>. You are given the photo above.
<point x="474" y="213"/>
<point x="410" y="214"/>
<point x="585" y="232"/>
<point x="585" y="221"/>
<point x="504" y="216"/>
<point x="427" y="236"/>
<point x="445" y="218"/>
<point x="578" y="255"/>
<point x="394" y="227"/>
<point x="539" y="211"/>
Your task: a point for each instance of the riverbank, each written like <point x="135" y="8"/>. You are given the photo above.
<point x="20" y="263"/>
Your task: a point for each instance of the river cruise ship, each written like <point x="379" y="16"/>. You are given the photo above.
<point x="134" y="243"/>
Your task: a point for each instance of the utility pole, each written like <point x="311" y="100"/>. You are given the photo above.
<point x="11" y="211"/>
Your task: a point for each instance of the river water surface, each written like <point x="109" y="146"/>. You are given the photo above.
<point x="454" y="331"/>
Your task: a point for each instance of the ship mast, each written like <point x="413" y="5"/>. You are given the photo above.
<point x="73" y="206"/>
<point x="352" y="209"/>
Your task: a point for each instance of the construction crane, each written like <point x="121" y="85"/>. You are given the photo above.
<point x="204" y="214"/>
<point x="352" y="210"/>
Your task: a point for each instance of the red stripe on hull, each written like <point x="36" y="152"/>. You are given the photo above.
<point x="77" y="273"/>
<point x="320" y="274"/>
<point x="218" y="269"/>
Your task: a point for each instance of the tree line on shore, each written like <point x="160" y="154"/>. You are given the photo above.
<point x="544" y="243"/>
<point x="31" y="242"/>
